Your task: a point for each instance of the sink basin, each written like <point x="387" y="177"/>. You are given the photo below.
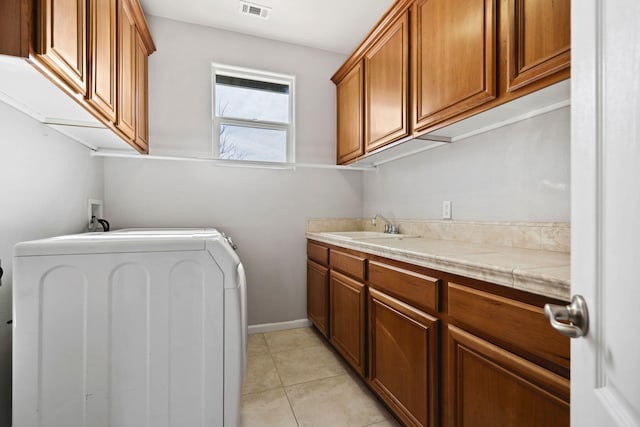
<point x="356" y="235"/>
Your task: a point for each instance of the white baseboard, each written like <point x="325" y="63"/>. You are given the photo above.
<point x="280" y="326"/>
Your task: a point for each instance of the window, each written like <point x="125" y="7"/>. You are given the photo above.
<point x="252" y="115"/>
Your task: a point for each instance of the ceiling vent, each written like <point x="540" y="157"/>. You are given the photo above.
<point x="254" y="10"/>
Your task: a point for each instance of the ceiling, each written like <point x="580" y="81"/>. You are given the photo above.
<point x="333" y="25"/>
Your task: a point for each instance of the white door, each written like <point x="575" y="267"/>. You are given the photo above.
<point x="605" y="151"/>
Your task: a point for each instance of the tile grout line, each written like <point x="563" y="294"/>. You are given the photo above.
<point x="295" y="417"/>
<point x="284" y="390"/>
<point x="314" y="380"/>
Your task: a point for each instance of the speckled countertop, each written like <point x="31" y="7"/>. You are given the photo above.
<point x="536" y="271"/>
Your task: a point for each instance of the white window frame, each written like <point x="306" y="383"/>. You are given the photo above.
<point x="251" y="74"/>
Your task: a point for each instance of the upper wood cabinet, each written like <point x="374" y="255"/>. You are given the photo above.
<point x="15" y="27"/>
<point x="349" y="123"/>
<point x="453" y="61"/>
<point x="126" y="118"/>
<point x="62" y="40"/>
<point x="386" y="86"/>
<point x="95" y="51"/>
<point x="142" y="94"/>
<point x="133" y="102"/>
<point x="460" y="58"/>
<point x="536" y="37"/>
<point x="102" y="57"/>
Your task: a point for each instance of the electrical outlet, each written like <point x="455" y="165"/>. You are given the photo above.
<point x="446" y="209"/>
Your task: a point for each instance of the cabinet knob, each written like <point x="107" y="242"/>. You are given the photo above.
<point x="575" y="313"/>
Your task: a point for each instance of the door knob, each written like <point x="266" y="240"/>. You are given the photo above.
<point x="575" y="313"/>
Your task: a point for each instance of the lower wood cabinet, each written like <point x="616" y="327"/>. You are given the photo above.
<point x="318" y="296"/>
<point x="440" y="349"/>
<point x="490" y="386"/>
<point x="347" y="319"/>
<point x="403" y="357"/>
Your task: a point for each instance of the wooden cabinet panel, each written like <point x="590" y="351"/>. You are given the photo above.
<point x="518" y="325"/>
<point x="318" y="296"/>
<point x="414" y="288"/>
<point x="15" y="26"/>
<point x="453" y="58"/>
<point x="402" y="358"/>
<point x="62" y="41"/>
<point x="349" y="121"/>
<point x="127" y="71"/>
<point x="348" y="264"/>
<point x="347" y="319"/>
<point x="491" y="386"/>
<point x="142" y="95"/>
<point x="538" y="40"/>
<point x="386" y="88"/>
<point x="318" y="253"/>
<point x="102" y="57"/>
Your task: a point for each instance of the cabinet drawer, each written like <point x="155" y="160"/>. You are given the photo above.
<point x="318" y="253"/>
<point x="348" y="264"/>
<point x="413" y="288"/>
<point x="513" y="323"/>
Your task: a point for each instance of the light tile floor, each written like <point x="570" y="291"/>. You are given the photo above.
<point x="294" y="378"/>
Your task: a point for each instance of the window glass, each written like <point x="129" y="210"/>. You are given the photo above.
<point x="252" y="100"/>
<point x="252" y="115"/>
<point x="252" y="143"/>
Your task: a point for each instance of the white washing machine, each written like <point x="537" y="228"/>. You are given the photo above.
<point x="130" y="328"/>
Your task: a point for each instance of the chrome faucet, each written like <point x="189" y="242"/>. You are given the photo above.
<point x="389" y="227"/>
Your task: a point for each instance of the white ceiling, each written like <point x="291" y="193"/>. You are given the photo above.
<point x="334" y="25"/>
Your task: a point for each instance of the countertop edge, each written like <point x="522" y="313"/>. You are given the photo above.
<point x="525" y="279"/>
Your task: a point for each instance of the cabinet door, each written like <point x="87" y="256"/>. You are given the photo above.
<point x="349" y="116"/>
<point x="102" y="55"/>
<point x="347" y="311"/>
<point x="126" y="111"/>
<point x="538" y="41"/>
<point x="318" y="296"/>
<point x="142" y="95"/>
<point x="15" y="25"/>
<point x="386" y="88"/>
<point x="491" y="386"/>
<point x="402" y="358"/>
<point x="453" y="58"/>
<point x="62" y="42"/>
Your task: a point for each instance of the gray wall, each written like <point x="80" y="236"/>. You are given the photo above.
<point x="519" y="172"/>
<point x="265" y="210"/>
<point x="46" y="179"/>
<point x="180" y="87"/>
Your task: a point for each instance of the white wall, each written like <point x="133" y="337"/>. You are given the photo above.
<point x="45" y="181"/>
<point x="520" y="172"/>
<point x="265" y="210"/>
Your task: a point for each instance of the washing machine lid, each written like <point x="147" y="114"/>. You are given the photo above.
<point x="124" y="241"/>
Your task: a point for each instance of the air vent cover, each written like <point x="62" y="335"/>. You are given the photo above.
<point x="254" y="10"/>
